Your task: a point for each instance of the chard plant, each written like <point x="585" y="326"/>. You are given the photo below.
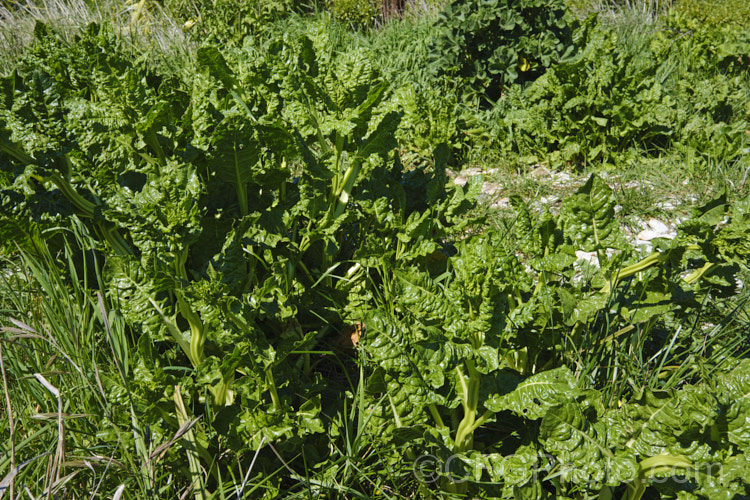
<point x="490" y="341"/>
<point x="234" y="218"/>
<point x="240" y="218"/>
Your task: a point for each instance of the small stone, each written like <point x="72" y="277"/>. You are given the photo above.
<point x="471" y="172"/>
<point x="491" y="188"/>
<point x="658" y="226"/>
<point x="460" y="180"/>
<point x="501" y="203"/>
<point x="648" y="235"/>
<point x="637" y="184"/>
<point x="540" y="171"/>
<point x="590" y="257"/>
<point x="667" y="205"/>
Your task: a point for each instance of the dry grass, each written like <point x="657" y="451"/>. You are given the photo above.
<point x="18" y="19"/>
<point x="146" y="25"/>
<point x="646" y="10"/>
<point x="8" y="482"/>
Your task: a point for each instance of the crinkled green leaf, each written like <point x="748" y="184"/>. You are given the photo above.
<point x="567" y="434"/>
<point x="735" y="389"/>
<point x="537" y="394"/>
<point x="589" y="217"/>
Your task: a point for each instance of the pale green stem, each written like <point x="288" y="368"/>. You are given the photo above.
<point x="197" y="336"/>
<point x="344" y="193"/>
<point x="436" y="416"/>
<point x="465" y="431"/>
<point x="272" y="389"/>
<point x="699" y="273"/>
<point x="650" y="261"/>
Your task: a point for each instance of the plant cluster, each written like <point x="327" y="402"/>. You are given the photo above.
<point x="237" y="222"/>
<point x="229" y="22"/>
<point x="355" y="13"/>
<point x="505" y="336"/>
<point x="675" y="89"/>
<point x="490" y="45"/>
<point x="727" y="12"/>
<point x="254" y="277"/>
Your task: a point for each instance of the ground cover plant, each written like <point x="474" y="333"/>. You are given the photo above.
<point x="651" y="93"/>
<point x="247" y="272"/>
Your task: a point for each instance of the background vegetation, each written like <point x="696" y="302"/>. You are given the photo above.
<point x="284" y="249"/>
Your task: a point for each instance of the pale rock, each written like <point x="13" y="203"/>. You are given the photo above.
<point x="658" y="226"/>
<point x="501" y="203"/>
<point x="590" y="257"/>
<point x="637" y="184"/>
<point x="540" y="171"/>
<point x="471" y="172"/>
<point x="648" y="235"/>
<point x="491" y="188"/>
<point x="667" y="205"/>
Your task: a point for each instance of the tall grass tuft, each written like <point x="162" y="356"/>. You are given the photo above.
<point x="147" y="26"/>
<point x="60" y="424"/>
<point x="647" y="11"/>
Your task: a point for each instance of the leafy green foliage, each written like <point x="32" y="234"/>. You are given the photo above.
<point x="229" y="21"/>
<point x="235" y="212"/>
<point x="723" y="12"/>
<point x="491" y="45"/>
<point x="489" y="336"/>
<point x="253" y="219"/>
<point x="651" y="93"/>
<point x="355" y="13"/>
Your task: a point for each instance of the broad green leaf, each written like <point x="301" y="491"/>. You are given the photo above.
<point x="677" y="423"/>
<point x="581" y="451"/>
<point x="724" y="481"/>
<point x="235" y="153"/>
<point x="210" y="59"/>
<point x="589" y="217"/>
<point x="735" y="389"/>
<point x="533" y="397"/>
